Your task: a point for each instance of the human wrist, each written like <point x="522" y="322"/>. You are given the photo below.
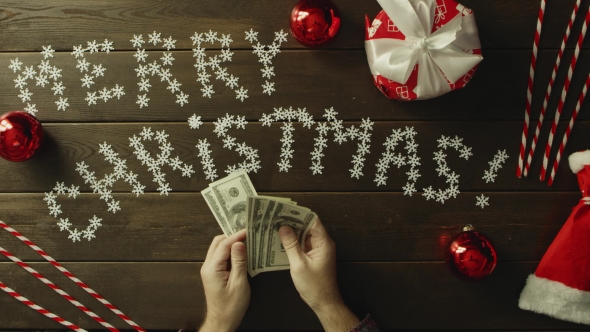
<point x="335" y="316"/>
<point x="211" y="324"/>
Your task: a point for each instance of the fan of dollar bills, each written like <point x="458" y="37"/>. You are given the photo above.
<point x="236" y="205"/>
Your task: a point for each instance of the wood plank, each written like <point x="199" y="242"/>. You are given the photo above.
<point x="68" y="144"/>
<point x="365" y="226"/>
<point x="316" y="80"/>
<point x="26" y="25"/>
<point x="398" y="295"/>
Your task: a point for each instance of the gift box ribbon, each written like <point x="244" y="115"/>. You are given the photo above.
<point x="441" y="55"/>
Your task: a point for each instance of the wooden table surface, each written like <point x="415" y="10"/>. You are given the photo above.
<point x="145" y="259"/>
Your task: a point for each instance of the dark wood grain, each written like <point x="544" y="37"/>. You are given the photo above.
<point x="365" y="226"/>
<point x="146" y="257"/>
<point x="68" y="144"/>
<point x="398" y="295"/>
<point x="27" y="25"/>
<point x="315" y="80"/>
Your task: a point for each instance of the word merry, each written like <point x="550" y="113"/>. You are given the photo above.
<point x="44" y="74"/>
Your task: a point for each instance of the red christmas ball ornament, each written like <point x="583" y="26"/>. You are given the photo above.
<point x="470" y="255"/>
<point x="21" y="135"/>
<point x="315" y="23"/>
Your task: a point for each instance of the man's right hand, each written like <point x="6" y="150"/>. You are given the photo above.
<point x="314" y="274"/>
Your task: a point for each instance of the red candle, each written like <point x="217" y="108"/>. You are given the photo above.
<point x="21" y="135"/>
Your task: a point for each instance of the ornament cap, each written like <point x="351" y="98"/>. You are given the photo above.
<point x="468" y="227"/>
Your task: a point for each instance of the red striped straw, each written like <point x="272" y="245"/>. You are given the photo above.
<point x="57" y="290"/>
<point x="529" y="93"/>
<point x="39" y="309"/>
<point x="563" y="95"/>
<point x="71" y="276"/>
<point x="569" y="130"/>
<point x="550" y="86"/>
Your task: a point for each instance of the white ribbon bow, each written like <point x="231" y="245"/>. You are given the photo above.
<point x="439" y="55"/>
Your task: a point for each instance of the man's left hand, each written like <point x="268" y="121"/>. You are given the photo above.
<point x="225" y="279"/>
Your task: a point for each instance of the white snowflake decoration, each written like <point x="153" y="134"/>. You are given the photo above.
<point x="495" y="165"/>
<point x="64" y="224"/>
<point x="194" y="122"/>
<point x="451" y="178"/>
<point x="155" y="68"/>
<point x="103" y="186"/>
<point x="31" y="108"/>
<point x="482" y="201"/>
<point x="268" y="87"/>
<point x="98" y="70"/>
<point x="390" y="158"/>
<point x="15" y="65"/>
<point x="43" y="77"/>
<point x="206" y="160"/>
<point x="286" y="116"/>
<point x="340" y="136"/>
<point x="202" y="64"/>
<point x="266" y="54"/>
<point x="251" y="162"/>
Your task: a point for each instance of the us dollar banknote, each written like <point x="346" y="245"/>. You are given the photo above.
<point x="236" y="205"/>
<point x="299" y="218"/>
<point x="231" y="195"/>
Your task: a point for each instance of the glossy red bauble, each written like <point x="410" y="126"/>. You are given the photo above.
<point x="21" y="135"/>
<point x="470" y="255"/>
<point x="315" y="23"/>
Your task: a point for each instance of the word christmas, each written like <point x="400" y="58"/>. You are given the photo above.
<point x="287" y="116"/>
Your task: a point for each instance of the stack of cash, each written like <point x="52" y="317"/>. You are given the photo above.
<point x="236" y="205"/>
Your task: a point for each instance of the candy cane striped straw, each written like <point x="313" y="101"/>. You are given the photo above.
<point x="563" y="95"/>
<point x="529" y="93"/>
<point x="39" y="309"/>
<point x="569" y="130"/>
<point x="71" y="276"/>
<point x="550" y="86"/>
<point x="58" y="290"/>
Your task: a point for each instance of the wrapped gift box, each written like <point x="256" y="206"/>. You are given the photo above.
<point x="421" y="49"/>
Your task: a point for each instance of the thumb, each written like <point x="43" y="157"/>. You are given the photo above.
<point x="239" y="263"/>
<point x="291" y="244"/>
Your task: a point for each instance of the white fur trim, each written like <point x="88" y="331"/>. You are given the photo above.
<point x="578" y="160"/>
<point x="555" y="299"/>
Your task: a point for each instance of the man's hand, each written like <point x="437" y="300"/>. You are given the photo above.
<point x="314" y="274"/>
<point x="224" y="275"/>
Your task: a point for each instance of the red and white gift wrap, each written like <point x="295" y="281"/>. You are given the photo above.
<point x="560" y="287"/>
<point x="421" y="49"/>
